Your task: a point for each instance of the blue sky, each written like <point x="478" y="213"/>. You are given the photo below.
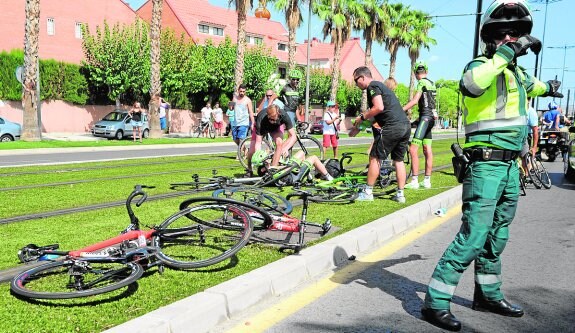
<point x="454" y="36"/>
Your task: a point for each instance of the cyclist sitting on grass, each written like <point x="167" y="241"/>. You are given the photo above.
<point x="269" y="121"/>
<point x="305" y="165"/>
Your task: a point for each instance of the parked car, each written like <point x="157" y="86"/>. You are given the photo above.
<point x="9" y="131"/>
<point x="569" y="160"/>
<point x="317" y="127"/>
<point x="117" y="125"/>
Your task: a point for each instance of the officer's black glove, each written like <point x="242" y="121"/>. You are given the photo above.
<point x="553" y="89"/>
<point x="524" y="43"/>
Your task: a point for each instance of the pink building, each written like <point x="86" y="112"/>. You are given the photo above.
<point x="60" y="24"/>
<point x="352" y="56"/>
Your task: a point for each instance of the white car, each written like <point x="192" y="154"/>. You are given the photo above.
<point x="9" y="131"/>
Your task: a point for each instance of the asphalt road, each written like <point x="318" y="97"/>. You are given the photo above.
<point x="29" y="157"/>
<point x="385" y="295"/>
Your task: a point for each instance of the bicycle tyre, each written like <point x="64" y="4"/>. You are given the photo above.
<point x="274" y="178"/>
<point x="533" y="172"/>
<point x="212" y="131"/>
<point x="311" y="146"/>
<point x="25" y="283"/>
<point x="332" y="195"/>
<point x="203" y="235"/>
<point x="197" y="132"/>
<point x="522" y="190"/>
<point x="542" y="173"/>
<point x="260" y="217"/>
<point x="244" y="147"/>
<point x="269" y="201"/>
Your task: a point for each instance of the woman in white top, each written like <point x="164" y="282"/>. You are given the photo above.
<point x="218" y="115"/>
<point x="206" y="118"/>
<point x="331" y="120"/>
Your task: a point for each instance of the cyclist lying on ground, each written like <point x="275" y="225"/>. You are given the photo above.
<point x="270" y="121"/>
<point x="303" y="169"/>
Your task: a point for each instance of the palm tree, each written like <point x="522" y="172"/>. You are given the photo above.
<point x="373" y="26"/>
<point x="338" y="16"/>
<point x="417" y="38"/>
<point x="396" y="32"/>
<point x="242" y="10"/>
<point x="31" y="129"/>
<point x="293" y="19"/>
<point x="155" y="83"/>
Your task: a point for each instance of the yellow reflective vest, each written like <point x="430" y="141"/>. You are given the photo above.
<point x="494" y="100"/>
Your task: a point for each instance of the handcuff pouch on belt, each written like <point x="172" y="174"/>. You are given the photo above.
<point x="460" y="162"/>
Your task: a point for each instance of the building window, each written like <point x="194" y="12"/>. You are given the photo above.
<point x="78" y="30"/>
<point x="283" y="73"/>
<point x="258" y="40"/>
<point x="218" y="31"/>
<point x="248" y="39"/>
<point x="203" y="28"/>
<point x="282" y="47"/>
<point x="51" y="26"/>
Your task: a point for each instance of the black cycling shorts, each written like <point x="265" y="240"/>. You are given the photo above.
<point x="392" y="141"/>
<point x="423" y="131"/>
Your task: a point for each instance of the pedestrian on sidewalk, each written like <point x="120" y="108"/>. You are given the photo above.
<point x="136" y="114"/>
<point x="218" y="115"/>
<point x="494" y="90"/>
<point x="331" y="120"/>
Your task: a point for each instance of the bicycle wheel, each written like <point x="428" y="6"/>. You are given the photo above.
<point x="270" y="201"/>
<point x="522" y="185"/>
<point x="541" y="173"/>
<point x="197" y="131"/>
<point x="203" y="234"/>
<point x="310" y="146"/>
<point x="533" y="172"/>
<point x="212" y="131"/>
<point x="276" y="176"/>
<point x="332" y="195"/>
<point x="244" y="147"/>
<point x="73" y="278"/>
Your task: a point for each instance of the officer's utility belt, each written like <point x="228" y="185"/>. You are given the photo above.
<point x="489" y="154"/>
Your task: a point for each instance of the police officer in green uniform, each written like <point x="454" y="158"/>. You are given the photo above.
<point x="425" y="100"/>
<point x="494" y="100"/>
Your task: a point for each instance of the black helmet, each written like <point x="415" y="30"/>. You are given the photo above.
<point x="505" y="14"/>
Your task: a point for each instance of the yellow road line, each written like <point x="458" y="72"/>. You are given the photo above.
<point x="294" y="303"/>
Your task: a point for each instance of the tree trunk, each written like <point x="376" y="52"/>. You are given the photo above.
<point x="30" y="126"/>
<point x="411" y="79"/>
<point x="155" y="81"/>
<point x="239" y="68"/>
<point x="368" y="61"/>
<point x="335" y="69"/>
<point x="292" y="48"/>
<point x="392" y="58"/>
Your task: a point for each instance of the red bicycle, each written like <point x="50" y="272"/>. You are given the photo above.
<point x="197" y="236"/>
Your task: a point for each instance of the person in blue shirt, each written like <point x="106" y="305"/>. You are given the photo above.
<point x="552" y="118"/>
<point x="532" y="123"/>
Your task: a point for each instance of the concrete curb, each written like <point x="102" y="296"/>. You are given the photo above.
<point x="202" y="311"/>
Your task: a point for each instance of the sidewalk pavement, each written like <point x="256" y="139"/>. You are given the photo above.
<point x="203" y="311"/>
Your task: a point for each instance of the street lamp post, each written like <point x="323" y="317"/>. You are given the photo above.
<point x="306" y="116"/>
<point x="565" y="47"/>
<point x="538" y="75"/>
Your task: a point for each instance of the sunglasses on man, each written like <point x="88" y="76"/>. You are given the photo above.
<point x="500" y="34"/>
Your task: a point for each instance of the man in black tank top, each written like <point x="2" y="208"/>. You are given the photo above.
<point x="390" y="136"/>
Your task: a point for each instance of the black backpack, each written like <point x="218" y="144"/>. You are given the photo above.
<point x="333" y="168"/>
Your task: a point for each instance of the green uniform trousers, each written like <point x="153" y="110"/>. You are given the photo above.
<point x="490" y="195"/>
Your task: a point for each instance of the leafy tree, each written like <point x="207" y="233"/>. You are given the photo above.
<point x="417" y="37"/>
<point x="293" y="19"/>
<point x="118" y="60"/>
<point x="396" y="32"/>
<point x="30" y="126"/>
<point x="338" y="17"/>
<point x="242" y="10"/>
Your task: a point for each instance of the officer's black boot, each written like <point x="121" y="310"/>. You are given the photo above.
<point x="502" y="307"/>
<point x="441" y="318"/>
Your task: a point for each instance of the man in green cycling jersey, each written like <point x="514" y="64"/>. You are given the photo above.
<point x="425" y="100"/>
<point x="290" y="95"/>
<point x="305" y="165"/>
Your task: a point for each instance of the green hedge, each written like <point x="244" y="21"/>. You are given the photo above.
<point x="58" y="80"/>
